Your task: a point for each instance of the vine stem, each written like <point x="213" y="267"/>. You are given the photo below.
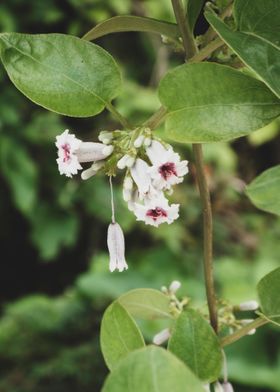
<point x="260" y="321"/>
<point x="191" y="51"/>
<point x="122" y="120"/>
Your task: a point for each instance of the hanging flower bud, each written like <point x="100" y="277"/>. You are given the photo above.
<point x="107" y="150"/>
<point x="248" y="305"/>
<point x="116" y="246"/>
<point x="72" y="152"/>
<point x="161" y="337"/>
<point x="121" y="164"/>
<point x="174" y="286"/>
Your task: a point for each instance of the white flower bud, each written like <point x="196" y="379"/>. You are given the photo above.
<point x="174" y="286"/>
<point x="105" y="137"/>
<point x="121" y="164"/>
<point x="116" y="246"/>
<point x="161" y="337"/>
<point x="97" y="165"/>
<point x="246" y="322"/>
<point x="107" y="150"/>
<point x="227" y="387"/>
<point x="130" y="162"/>
<point x="248" y="305"/>
<point x="127" y="194"/>
<point x="206" y="387"/>
<point x="147" y="141"/>
<point x="139" y="141"/>
<point x="86" y="174"/>
<point x="128" y="183"/>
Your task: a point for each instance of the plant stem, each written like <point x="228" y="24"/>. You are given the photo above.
<point x="156" y="118"/>
<point x="243" y="331"/>
<point x="188" y="41"/>
<point x="211" y="33"/>
<point x="123" y="121"/>
<point x="207" y="235"/>
<point x="207" y="50"/>
<point x="191" y="51"/>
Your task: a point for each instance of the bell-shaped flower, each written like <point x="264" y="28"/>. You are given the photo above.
<point x="72" y="152"/>
<point x="156" y="211"/>
<point x="116" y="246"/>
<point x="167" y="169"/>
<point x="142" y="178"/>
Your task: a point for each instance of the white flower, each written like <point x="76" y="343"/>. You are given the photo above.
<point x="174" y="286"/>
<point x="248" y="305"/>
<point x="116" y="246"/>
<point x="167" y="169"/>
<point x="68" y="145"/>
<point x="161" y="337"/>
<point x="72" y="152"/>
<point x="218" y="387"/>
<point x="142" y="178"/>
<point x="156" y="211"/>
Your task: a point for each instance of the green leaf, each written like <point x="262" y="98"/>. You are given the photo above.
<point x="256" y="40"/>
<point x="125" y="23"/>
<point x="210" y="102"/>
<point x="146" y="304"/>
<point x="119" y="335"/>
<point x="195" y="343"/>
<point x="265" y="189"/>
<point x="193" y="10"/>
<point x="268" y="290"/>
<point x="61" y="73"/>
<point x="152" y="370"/>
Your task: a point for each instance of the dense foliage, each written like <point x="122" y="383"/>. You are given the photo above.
<point x="52" y="230"/>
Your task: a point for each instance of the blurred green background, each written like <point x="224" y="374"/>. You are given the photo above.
<point x="54" y="278"/>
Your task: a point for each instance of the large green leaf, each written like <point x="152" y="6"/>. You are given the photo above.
<point x="152" y="370"/>
<point x="195" y="343"/>
<point x="61" y="73"/>
<point x="193" y="10"/>
<point x="146" y="304"/>
<point x="119" y="335"/>
<point x="257" y="39"/>
<point x="125" y="23"/>
<point x="268" y="290"/>
<point x="264" y="191"/>
<point x="209" y="102"/>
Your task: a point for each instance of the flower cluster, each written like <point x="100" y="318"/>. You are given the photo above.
<point x="152" y="169"/>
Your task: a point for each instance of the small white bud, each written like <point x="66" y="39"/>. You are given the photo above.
<point x="107" y="150"/>
<point x="174" y="286"/>
<point x="246" y="322"/>
<point x="227" y="387"/>
<point x="121" y="164"/>
<point x="206" y="387"/>
<point x="128" y="183"/>
<point x="126" y="194"/>
<point x="164" y="289"/>
<point x="248" y="305"/>
<point x="116" y="246"/>
<point x="161" y="337"/>
<point x="147" y="141"/>
<point x="105" y="136"/>
<point x="97" y="165"/>
<point x="86" y="174"/>
<point x="130" y="162"/>
<point x="139" y="141"/>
